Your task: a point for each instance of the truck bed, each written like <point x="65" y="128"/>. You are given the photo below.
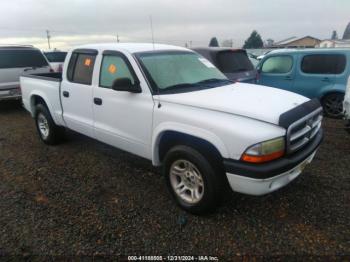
<point x="48" y="86"/>
<point x="57" y="77"/>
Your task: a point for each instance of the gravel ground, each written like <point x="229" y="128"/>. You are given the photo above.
<point x="86" y="198"/>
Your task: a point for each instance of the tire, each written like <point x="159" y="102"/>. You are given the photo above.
<point x="333" y="105"/>
<point x="48" y="131"/>
<point x="187" y="166"/>
<point x="347" y="126"/>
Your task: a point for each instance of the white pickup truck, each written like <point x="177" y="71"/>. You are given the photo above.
<point x="170" y="105"/>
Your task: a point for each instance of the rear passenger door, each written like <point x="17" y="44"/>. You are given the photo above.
<point x="76" y="91"/>
<point x="317" y="73"/>
<point x="277" y="71"/>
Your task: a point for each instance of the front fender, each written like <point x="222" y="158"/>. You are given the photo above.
<point x="188" y="130"/>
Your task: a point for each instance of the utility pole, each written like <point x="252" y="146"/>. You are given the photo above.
<point x="151" y="22"/>
<point x="117" y="38"/>
<point x="48" y="38"/>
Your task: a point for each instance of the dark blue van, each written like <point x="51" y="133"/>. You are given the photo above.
<point x="233" y="63"/>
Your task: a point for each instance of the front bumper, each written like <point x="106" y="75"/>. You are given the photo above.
<point x="260" y="179"/>
<point x="258" y="187"/>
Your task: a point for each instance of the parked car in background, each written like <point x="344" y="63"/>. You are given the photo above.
<point x="56" y="59"/>
<point x="260" y="57"/>
<point x="14" y="61"/>
<point x="253" y="58"/>
<point x="314" y="73"/>
<point x="346" y="105"/>
<point x="170" y="105"/>
<point x="234" y="63"/>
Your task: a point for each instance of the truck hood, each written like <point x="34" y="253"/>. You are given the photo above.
<point x="254" y="101"/>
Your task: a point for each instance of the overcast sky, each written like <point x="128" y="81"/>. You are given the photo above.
<point x="74" y="22"/>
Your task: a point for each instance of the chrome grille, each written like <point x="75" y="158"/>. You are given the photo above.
<point x="302" y="131"/>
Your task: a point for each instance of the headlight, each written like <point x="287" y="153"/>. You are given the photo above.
<point x="265" y="151"/>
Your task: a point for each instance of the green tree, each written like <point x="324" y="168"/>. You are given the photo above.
<point x="253" y="41"/>
<point x="334" y="35"/>
<point x="214" y="42"/>
<point x="347" y="32"/>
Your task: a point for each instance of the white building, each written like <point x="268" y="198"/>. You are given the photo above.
<point x="329" y="43"/>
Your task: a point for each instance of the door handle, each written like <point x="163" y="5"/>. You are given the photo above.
<point x="97" y="101"/>
<point x="288" y="78"/>
<point x="65" y="93"/>
<point x="326" y="79"/>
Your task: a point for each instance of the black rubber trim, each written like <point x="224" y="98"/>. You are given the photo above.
<point x="56" y="77"/>
<point x="276" y="167"/>
<point x="289" y="117"/>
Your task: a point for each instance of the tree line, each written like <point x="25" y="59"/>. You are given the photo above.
<point x="253" y="41"/>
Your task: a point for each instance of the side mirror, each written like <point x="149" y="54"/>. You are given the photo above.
<point x="125" y="84"/>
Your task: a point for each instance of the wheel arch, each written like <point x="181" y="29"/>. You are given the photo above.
<point x="331" y="91"/>
<point x="165" y="138"/>
<point x="37" y="98"/>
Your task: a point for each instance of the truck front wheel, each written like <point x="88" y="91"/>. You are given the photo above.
<point x="192" y="180"/>
<point x="48" y="131"/>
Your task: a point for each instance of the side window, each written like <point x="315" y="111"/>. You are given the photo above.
<point x="278" y="65"/>
<point x="80" y="68"/>
<point x="114" y="67"/>
<point x="323" y="64"/>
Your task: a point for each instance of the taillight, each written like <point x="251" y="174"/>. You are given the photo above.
<point x="51" y="70"/>
<point x="60" y="68"/>
<point x="257" y="78"/>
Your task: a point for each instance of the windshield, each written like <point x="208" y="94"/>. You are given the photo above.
<point x="174" y="71"/>
<point x="56" y="57"/>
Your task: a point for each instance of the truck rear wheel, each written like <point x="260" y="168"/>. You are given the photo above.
<point x="192" y="180"/>
<point x="48" y="131"/>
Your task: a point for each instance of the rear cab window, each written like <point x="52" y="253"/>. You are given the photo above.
<point x="277" y="65"/>
<point x="81" y="66"/>
<point x="21" y="58"/>
<point x="323" y="64"/>
<point x="234" y="61"/>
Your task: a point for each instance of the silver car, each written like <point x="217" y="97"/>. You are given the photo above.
<point x="15" y="61"/>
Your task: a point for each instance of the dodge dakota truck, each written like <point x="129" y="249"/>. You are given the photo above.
<point x="172" y="106"/>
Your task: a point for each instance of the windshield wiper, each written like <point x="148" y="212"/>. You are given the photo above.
<point x="214" y="81"/>
<point x="208" y="83"/>
<point x="179" y="86"/>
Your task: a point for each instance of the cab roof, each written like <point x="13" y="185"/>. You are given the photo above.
<point x="131" y="47"/>
<point x="16" y="47"/>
